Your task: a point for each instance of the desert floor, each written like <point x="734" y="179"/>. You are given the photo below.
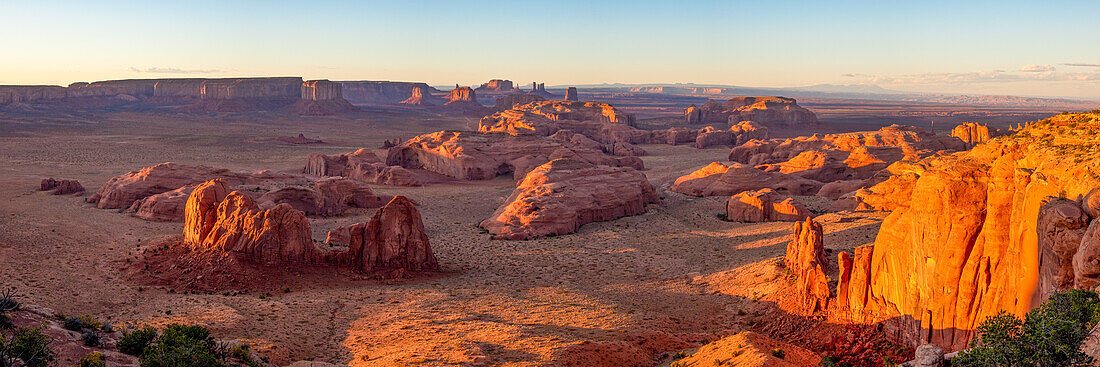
<point x="514" y="303"/>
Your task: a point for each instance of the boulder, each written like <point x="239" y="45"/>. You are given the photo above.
<point x="764" y="205"/>
<point x="61" y="187"/>
<point x="559" y="196"/>
<point x="166" y="206"/>
<point x="718" y="179"/>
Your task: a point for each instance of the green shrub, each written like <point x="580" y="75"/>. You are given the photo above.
<point x="182" y="346"/>
<point x="778" y="353"/>
<point x="93" y="359"/>
<point x="73" y="324"/>
<point x="135" y="342"/>
<point x="1049" y="335"/>
<point x="90" y="338"/>
<point x="30" y="346"/>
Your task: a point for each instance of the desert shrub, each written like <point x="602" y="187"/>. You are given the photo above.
<point x="90" y="338"/>
<point x="831" y="361"/>
<point x="93" y="359"/>
<point x="90" y="322"/>
<point x="183" y="346"/>
<point x="243" y="354"/>
<point x="25" y="347"/>
<point x="7" y="300"/>
<point x="73" y="324"/>
<point x="778" y="353"/>
<point x="1049" y="335"/>
<point x="135" y="342"/>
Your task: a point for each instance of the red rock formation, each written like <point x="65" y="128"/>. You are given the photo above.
<point x="464" y="100"/>
<point x="560" y="196"/>
<point x="693" y="115"/>
<point x="221" y="222"/>
<point x="973" y="133"/>
<point x="764" y="205"/>
<point x="497" y="86"/>
<point x="165" y="206"/>
<point x="123" y="190"/>
<point x="982" y="232"/>
<point x="749" y="349"/>
<point x="736" y="135"/>
<point x="420" y="97"/>
<point x="61" y="187"/>
<point x="382" y="92"/>
<point x="321" y="98"/>
<point x="805" y="259"/>
<point x="393" y="239"/>
<point x="514" y="100"/>
<point x="361" y="165"/>
<point x="329" y="197"/>
<point x="718" y="179"/>
<point x="481" y="156"/>
<point x="768" y="111"/>
<point x="571" y="94"/>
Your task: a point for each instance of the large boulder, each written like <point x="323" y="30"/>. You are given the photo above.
<point x="361" y="165"/>
<point x="560" y="196"/>
<point x="61" y="187"/>
<point x="764" y="205"/>
<point x="482" y="156"/>
<point x="165" y="206"/>
<point x="718" y="179"/>
<point x="393" y="240"/>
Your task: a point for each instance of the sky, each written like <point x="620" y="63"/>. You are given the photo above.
<point x="1028" y="48"/>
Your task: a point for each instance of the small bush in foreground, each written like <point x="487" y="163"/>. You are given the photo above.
<point x="29" y="346"/>
<point x="182" y="346"/>
<point x="93" y="359"/>
<point x="1049" y="335"/>
<point x="135" y="342"/>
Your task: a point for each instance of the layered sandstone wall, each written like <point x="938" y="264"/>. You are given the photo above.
<point x="381" y="92"/>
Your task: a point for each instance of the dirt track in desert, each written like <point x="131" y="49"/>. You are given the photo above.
<point x="510" y="303"/>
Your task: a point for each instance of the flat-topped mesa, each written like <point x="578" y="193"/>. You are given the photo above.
<point x="361" y="165"/>
<point x="265" y="92"/>
<point x="718" y="179"/>
<point x="558" y="197"/>
<point x="497" y="86"/>
<point x="571" y="94"/>
<point x="464" y="100"/>
<point x="223" y="222"/>
<point x="997" y="227"/>
<point x="322" y="97"/>
<point x="514" y="100"/>
<point x="769" y="111"/>
<point x="382" y="92"/>
<point x="764" y="205"/>
<point x="481" y="156"/>
<point x="973" y="133"/>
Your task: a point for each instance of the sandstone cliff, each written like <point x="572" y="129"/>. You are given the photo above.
<point x="381" y="92"/>
<point x="998" y="227"/>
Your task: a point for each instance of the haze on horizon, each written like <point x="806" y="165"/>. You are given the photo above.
<point x="980" y="47"/>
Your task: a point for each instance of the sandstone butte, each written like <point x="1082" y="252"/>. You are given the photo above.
<point x="464" y="100"/>
<point x="718" y="179"/>
<point x="769" y="111"/>
<point x="973" y="133"/>
<point x="998" y="227"/>
<point x="223" y="222"/>
<point x="420" y="97"/>
<point x="497" y="86"/>
<point x="470" y="155"/>
<point x="571" y="94"/>
<point x="764" y="205"/>
<point x="559" y="196"/>
<point x="360" y="165"/>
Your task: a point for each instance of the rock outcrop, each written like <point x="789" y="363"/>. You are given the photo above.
<point x="994" y="228"/>
<point x="167" y="206"/>
<point x="497" y="86"/>
<point x="514" y="100"/>
<point x="738" y="134"/>
<point x="420" y="97"/>
<point x="382" y="92"/>
<point x="361" y="165"/>
<point x="322" y="98"/>
<point x="768" y="111"/>
<point x="392" y="240"/>
<point x="123" y="190"/>
<point x="749" y="349"/>
<point x="61" y="187"/>
<point x="221" y="222"/>
<point x="464" y="100"/>
<point x="718" y="179"/>
<point x="571" y="94"/>
<point x="764" y="205"/>
<point x="328" y="197"/>
<point x="805" y="259"/>
<point x="973" y="133"/>
<point x="482" y="156"/>
<point x="559" y="196"/>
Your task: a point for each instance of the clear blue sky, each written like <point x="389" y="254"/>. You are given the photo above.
<point x="992" y="47"/>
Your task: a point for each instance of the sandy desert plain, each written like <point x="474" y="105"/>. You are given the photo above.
<point x="645" y="289"/>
